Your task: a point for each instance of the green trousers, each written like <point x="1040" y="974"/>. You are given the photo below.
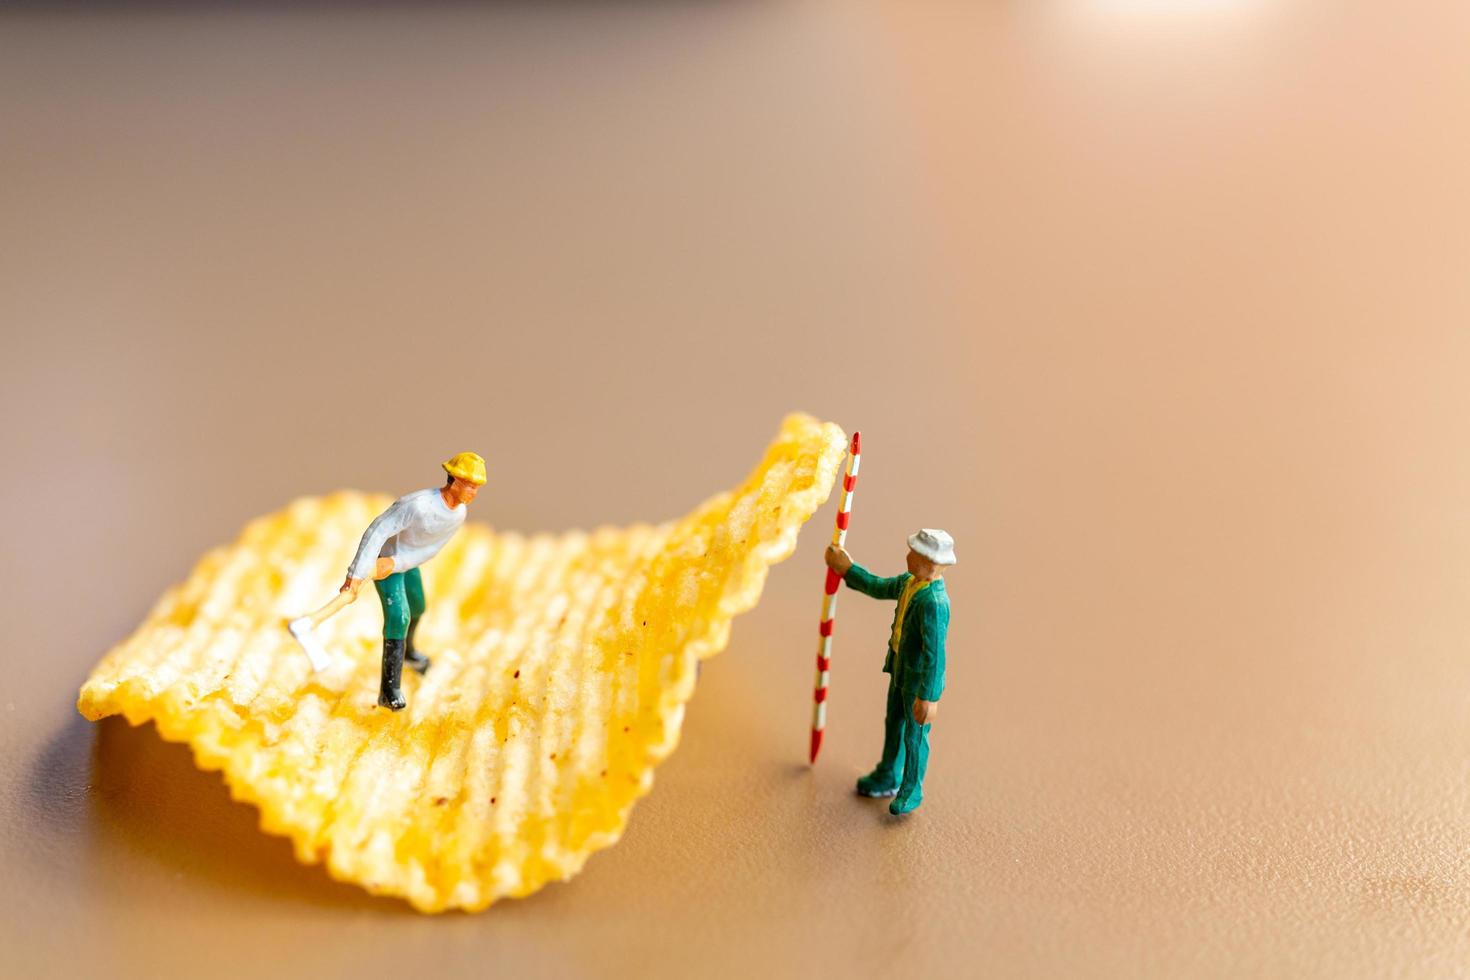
<point x="905" y="743"/>
<point x="402" y="595"/>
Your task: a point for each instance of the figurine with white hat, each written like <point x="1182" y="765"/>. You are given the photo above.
<point x="914" y="661"/>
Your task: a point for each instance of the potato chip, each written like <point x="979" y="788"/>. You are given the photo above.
<point x="562" y="665"/>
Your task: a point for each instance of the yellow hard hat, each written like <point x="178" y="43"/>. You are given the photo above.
<point x="466" y="466"/>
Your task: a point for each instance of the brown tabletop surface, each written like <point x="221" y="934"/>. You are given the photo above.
<point x="1159" y="307"/>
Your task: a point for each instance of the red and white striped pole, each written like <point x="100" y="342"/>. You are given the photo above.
<point x="829" y="599"/>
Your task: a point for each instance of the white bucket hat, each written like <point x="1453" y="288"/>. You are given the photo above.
<point x="933" y="544"/>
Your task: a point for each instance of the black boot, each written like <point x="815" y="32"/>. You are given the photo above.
<point x="413" y="658"/>
<point x="390" y="691"/>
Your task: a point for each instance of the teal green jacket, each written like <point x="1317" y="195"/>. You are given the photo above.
<point x="919" y="667"/>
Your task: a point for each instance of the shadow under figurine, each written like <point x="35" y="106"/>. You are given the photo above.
<point x="914" y="661"/>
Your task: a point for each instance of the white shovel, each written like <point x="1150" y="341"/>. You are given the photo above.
<point x="303" y="628"/>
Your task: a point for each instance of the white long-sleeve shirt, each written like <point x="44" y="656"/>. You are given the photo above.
<point x="410" y="532"/>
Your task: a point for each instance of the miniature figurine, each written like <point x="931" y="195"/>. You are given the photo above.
<point x="914" y="661"/>
<point x="395" y="544"/>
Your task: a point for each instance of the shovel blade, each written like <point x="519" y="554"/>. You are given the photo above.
<point x="310" y="643"/>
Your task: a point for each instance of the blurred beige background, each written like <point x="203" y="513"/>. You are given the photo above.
<point x="1160" y="307"/>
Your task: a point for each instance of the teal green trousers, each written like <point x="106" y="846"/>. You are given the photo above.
<point x="905" y="744"/>
<point x="402" y="595"/>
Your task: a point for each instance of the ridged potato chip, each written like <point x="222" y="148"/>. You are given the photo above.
<point x="562" y="665"/>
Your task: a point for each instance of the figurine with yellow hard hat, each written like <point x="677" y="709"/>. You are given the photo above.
<point x="393" y="547"/>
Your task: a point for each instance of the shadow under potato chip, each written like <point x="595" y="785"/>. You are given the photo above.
<point x="147" y="795"/>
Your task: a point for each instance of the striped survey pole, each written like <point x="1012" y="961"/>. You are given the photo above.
<point x="829" y="598"/>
